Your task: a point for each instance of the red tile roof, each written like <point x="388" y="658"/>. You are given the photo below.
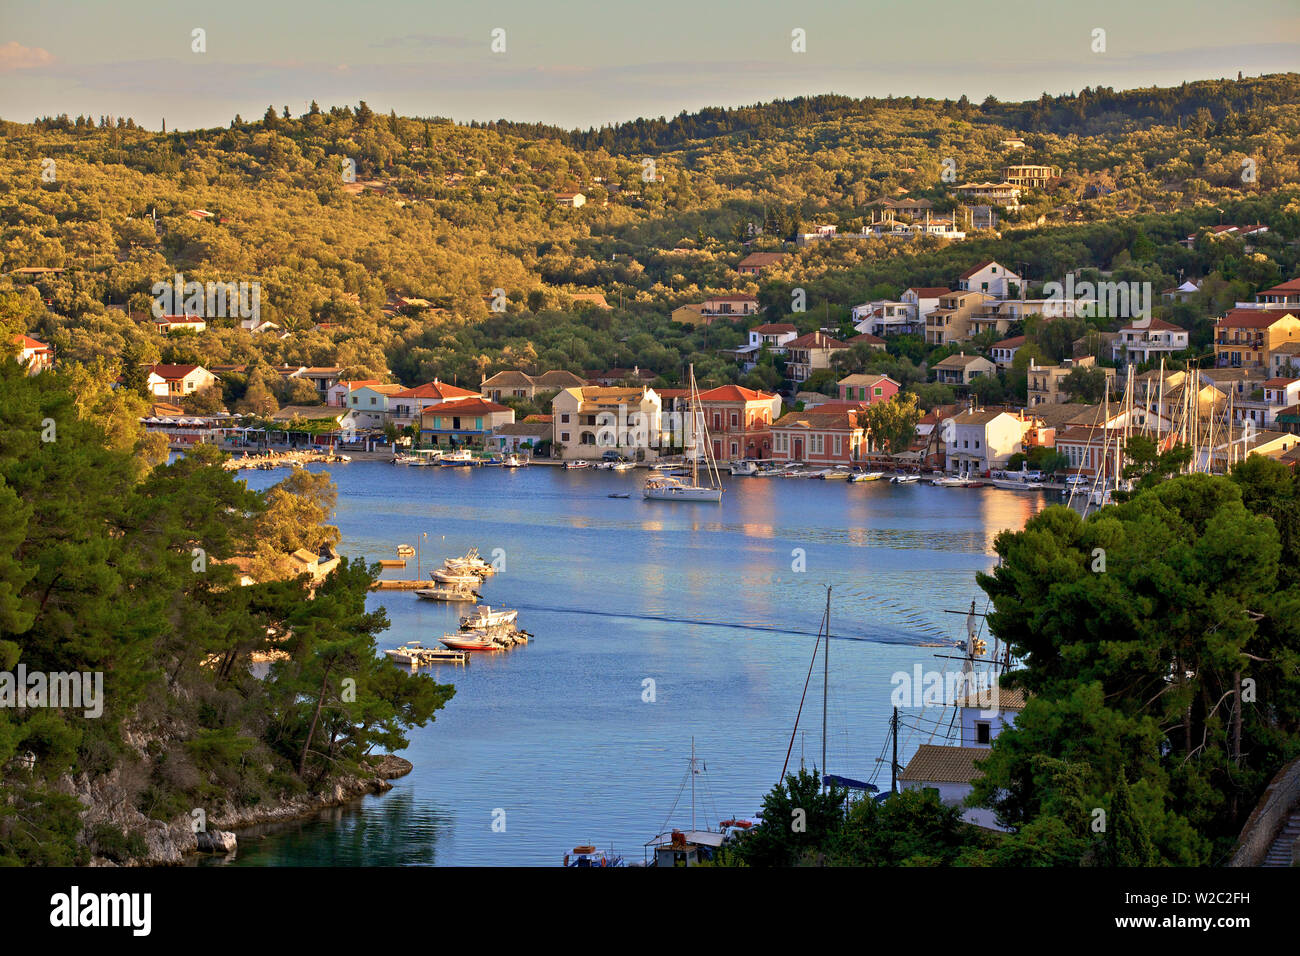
<point x="929" y="291"/>
<point x="173" y="371"/>
<point x="1155" y="325"/>
<point x="815" y="340"/>
<point x="774" y="328"/>
<point x="465" y="406"/>
<point x="866" y="338"/>
<point x="27" y="342"/>
<point x="436" y="390"/>
<point x="1012" y="343"/>
<point x="1255" y="318"/>
<point x="734" y="393"/>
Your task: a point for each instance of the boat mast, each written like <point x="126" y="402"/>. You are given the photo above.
<point x="826" y="678"/>
<point x="893" y="766"/>
<point x="692" y="781"/>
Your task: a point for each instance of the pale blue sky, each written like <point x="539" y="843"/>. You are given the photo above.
<point x="587" y="62"/>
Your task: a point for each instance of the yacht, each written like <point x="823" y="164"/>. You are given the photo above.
<point x="483" y="617"/>
<point x="744" y="469"/>
<point x="661" y="487"/>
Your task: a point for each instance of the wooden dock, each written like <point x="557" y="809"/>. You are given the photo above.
<point x="394" y="585"/>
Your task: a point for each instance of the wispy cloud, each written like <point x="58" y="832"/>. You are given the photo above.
<point x="426" y="41"/>
<point x="15" y="56"/>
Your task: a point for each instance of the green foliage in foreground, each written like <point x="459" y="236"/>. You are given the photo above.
<point x="100" y="571"/>
<point x="1135" y="628"/>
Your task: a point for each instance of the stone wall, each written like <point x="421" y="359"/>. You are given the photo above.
<point x="1267" y="819"/>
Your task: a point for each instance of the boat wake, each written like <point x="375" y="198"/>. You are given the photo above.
<point x="882" y="634"/>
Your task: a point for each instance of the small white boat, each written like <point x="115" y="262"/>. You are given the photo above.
<point x="744" y="469"/>
<point x="772" y="471"/>
<point x="513" y="461"/>
<point x="408" y="653"/>
<point x="455" y="578"/>
<point x="483" y="617"/>
<point x="838" y="473"/>
<point x="1016" y="484"/>
<point x="624" y="465"/>
<point x="577" y="464"/>
<point x="904" y="479"/>
<point x="866" y="476"/>
<point x="447" y="594"/>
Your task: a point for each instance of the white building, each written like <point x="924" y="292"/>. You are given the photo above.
<point x="1145" y="339"/>
<point x="991" y="277"/>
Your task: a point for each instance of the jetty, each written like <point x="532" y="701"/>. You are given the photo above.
<point x="281" y="459"/>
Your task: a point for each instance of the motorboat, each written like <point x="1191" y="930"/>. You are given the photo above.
<point x="471" y="642"/>
<point x="484" y="618"/>
<point x="771" y="471"/>
<point x="904" y="479"/>
<point x="460" y="458"/>
<point x="514" y="461"/>
<point x="408" y="653"/>
<point x="447" y="594"/>
<point x="839" y="472"/>
<point x="455" y="578"/>
<point x="569" y="465"/>
<point x="744" y="469"/>
<point x="866" y="476"/>
<point x="590" y="856"/>
<point x="624" y="465"/>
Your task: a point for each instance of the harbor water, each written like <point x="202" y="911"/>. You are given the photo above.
<point x="656" y="623"/>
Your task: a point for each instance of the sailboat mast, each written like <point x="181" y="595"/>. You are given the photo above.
<point x="826" y="678"/>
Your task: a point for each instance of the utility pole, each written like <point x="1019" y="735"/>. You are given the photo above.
<point x="893" y="764"/>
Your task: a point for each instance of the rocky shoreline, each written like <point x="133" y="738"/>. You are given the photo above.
<point x="168" y="843"/>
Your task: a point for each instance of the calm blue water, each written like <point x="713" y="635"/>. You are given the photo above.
<point x="700" y="598"/>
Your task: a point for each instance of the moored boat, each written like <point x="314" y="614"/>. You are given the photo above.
<point x="483" y="617"/>
<point x="570" y="465"/>
<point x="661" y="487"/>
<point x="744" y="469"/>
<point x="591" y="856"/>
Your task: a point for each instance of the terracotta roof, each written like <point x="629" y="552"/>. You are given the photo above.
<point x="1154" y="325"/>
<point x="433" y="389"/>
<point x="465" y="406"/>
<point x="974" y="269"/>
<point x="731" y="298"/>
<point x="1290" y="286"/>
<point x="735" y="393"/>
<point x="959" y="360"/>
<point x="934" y="764"/>
<point x="762" y="259"/>
<point x="774" y="328"/>
<point x="173" y="371"/>
<point x="27" y="342"/>
<point x="864" y="379"/>
<point x="1255" y="318"/>
<point x="866" y="338"/>
<point x="841" y="418"/>
<point x="1279" y="382"/>
<point x="508" y="379"/>
<point x="815" y="340"/>
<point x="558" y="378"/>
<point x="928" y="291"/>
<point x="1012" y="343"/>
<point x="1003" y="698"/>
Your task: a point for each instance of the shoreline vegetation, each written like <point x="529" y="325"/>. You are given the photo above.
<point x="162" y="581"/>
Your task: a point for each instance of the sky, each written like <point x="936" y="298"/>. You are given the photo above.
<point x="584" y="63"/>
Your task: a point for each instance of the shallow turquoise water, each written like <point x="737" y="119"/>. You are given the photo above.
<point x="555" y="738"/>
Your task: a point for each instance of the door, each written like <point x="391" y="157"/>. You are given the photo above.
<point x="798" y="449"/>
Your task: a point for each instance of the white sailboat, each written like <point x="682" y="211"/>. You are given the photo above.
<point x="663" y="487"/>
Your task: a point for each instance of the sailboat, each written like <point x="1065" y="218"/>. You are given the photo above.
<point x="674" y="847"/>
<point x="664" y="487"/>
<point x="828" y="779"/>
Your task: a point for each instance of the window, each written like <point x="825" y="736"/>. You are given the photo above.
<point x="879" y="390"/>
<point x="837" y="446"/>
<point x="372" y="401"/>
<point x="983" y="732"/>
<point x="734" y="420"/>
<point x="564" y="436"/>
<point x="564" y="418"/>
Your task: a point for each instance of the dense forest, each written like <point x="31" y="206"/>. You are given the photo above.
<point x="113" y="562"/>
<point x="445" y="213"/>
